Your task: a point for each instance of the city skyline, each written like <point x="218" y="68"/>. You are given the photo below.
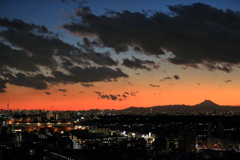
<point x="81" y="55"/>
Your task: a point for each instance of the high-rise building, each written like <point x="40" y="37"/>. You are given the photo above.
<point x="215" y="129"/>
<point x="187" y="139"/>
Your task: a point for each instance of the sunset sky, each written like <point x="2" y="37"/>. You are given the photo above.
<point x="114" y="54"/>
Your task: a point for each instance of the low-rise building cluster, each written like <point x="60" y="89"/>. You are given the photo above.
<point x="82" y="135"/>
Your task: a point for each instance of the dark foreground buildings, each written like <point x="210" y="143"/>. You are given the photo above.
<point x="111" y="135"/>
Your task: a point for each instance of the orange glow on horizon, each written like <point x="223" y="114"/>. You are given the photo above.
<point x="78" y="97"/>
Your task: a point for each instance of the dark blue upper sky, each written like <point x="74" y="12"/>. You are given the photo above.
<point x="50" y="12"/>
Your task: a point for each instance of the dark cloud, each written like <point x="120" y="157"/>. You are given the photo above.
<point x="88" y="53"/>
<point x="67" y="1"/>
<point x="126" y="93"/>
<point x="66" y="62"/>
<point x="176" y="77"/>
<point x="152" y="85"/>
<point x="2" y="90"/>
<point x="131" y="64"/>
<point x="38" y="81"/>
<point x="139" y="64"/>
<point x="124" y="96"/>
<point x="227" y="81"/>
<point x="38" y="44"/>
<point x="87" y="84"/>
<point x="188" y="63"/>
<point x="114" y="97"/>
<point x="105" y="96"/>
<point x="22" y="80"/>
<point x="23" y="26"/>
<point x="2" y="85"/>
<point x="35" y="46"/>
<point x="102" y="59"/>
<point x="90" y="74"/>
<point x="44" y="61"/>
<point x="117" y="32"/>
<point x="48" y="93"/>
<point x="133" y="93"/>
<point x="137" y="48"/>
<point x="86" y="42"/>
<point x="214" y="66"/>
<point x="48" y="79"/>
<point x="193" y="33"/>
<point x="165" y="78"/>
<point x="16" y="58"/>
<point x="128" y="83"/>
<point x="80" y="75"/>
<point x="62" y="90"/>
<point x="226" y="68"/>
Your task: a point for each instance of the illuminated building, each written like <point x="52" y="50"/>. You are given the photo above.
<point x="18" y="139"/>
<point x="105" y="131"/>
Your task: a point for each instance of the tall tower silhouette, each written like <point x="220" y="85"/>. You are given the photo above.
<point x="8" y="105"/>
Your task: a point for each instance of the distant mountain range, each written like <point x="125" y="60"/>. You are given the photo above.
<point x="206" y="105"/>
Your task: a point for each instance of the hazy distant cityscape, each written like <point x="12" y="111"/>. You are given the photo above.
<point x="120" y="134"/>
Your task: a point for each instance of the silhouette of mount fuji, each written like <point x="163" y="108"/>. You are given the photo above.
<point x="206" y="105"/>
